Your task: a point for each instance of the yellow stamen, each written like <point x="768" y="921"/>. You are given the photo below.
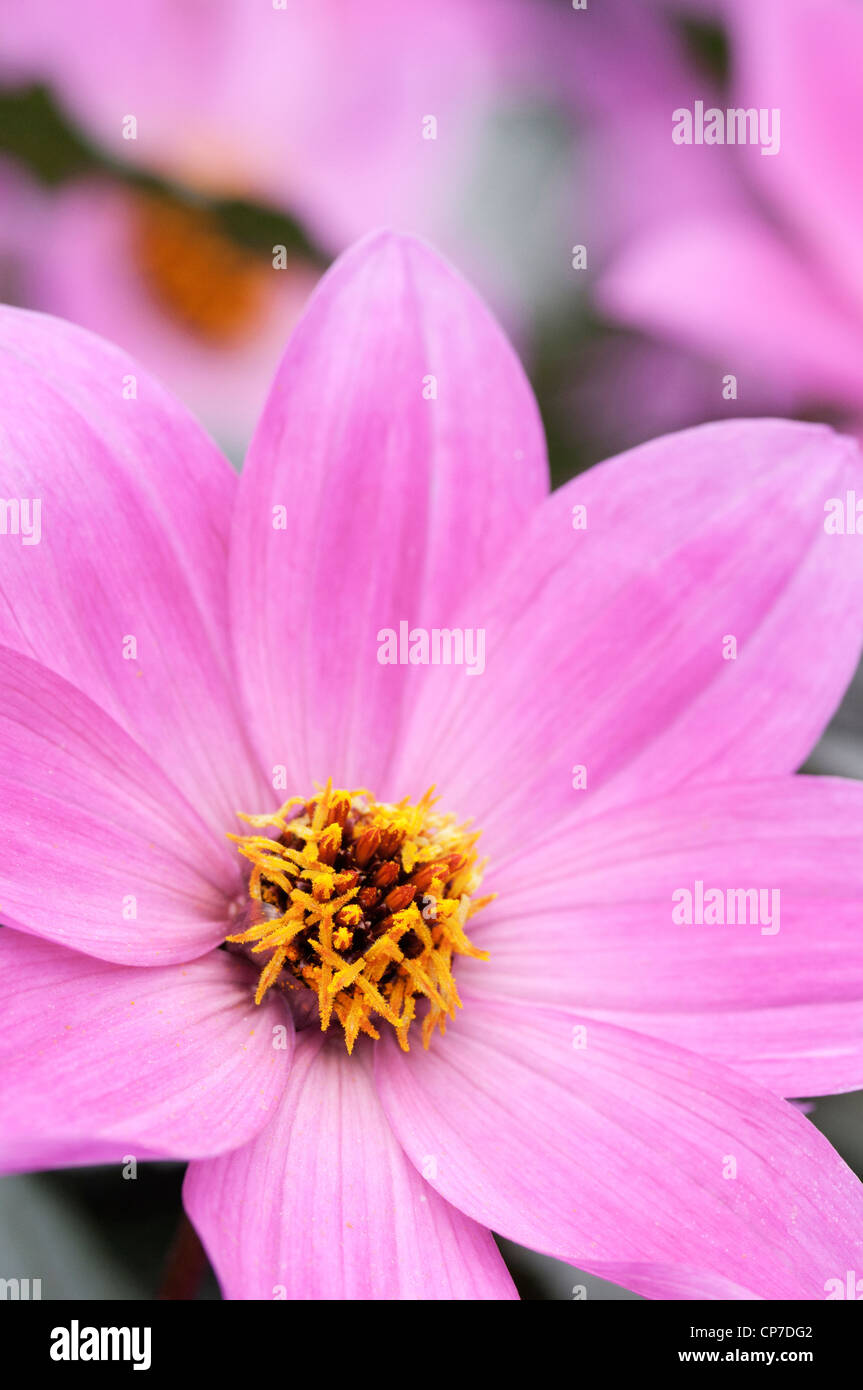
<point x="368" y="903"/>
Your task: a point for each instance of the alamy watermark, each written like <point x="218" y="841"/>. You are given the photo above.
<point x="850" y="1287"/>
<point x="736" y="125"/>
<point x="21" y="516"/>
<point x="437" y="646"/>
<point x="719" y="907"/>
<point x="20" y="1290"/>
<point x="844" y="515"/>
<point x="77" y="1343"/>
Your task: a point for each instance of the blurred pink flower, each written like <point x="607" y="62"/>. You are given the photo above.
<point x="349" y="117"/>
<point x="607" y="1066"/>
<point x="769" y="284"/>
<point x="623" y="83"/>
<point x="162" y="279"/>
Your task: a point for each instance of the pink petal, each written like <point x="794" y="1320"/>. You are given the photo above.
<point x="100" y="1060"/>
<point x="613" y="1154"/>
<point x="807" y="63"/>
<point x="594" y="659"/>
<point x="394" y="502"/>
<point x="585" y="921"/>
<point x="134" y="506"/>
<point x="100" y="851"/>
<point x="737" y="291"/>
<point x="324" y="1204"/>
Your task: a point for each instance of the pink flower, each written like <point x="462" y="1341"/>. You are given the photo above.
<point x="623" y="82"/>
<point x="344" y="119"/>
<point x="347" y="117"/>
<point x="180" y="642"/>
<point x="770" y="283"/>
<point x="163" y="280"/>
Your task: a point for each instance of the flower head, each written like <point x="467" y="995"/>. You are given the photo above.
<point x="665" y="637"/>
<point x="368" y="905"/>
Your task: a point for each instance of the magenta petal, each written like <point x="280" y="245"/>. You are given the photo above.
<point x="609" y="1149"/>
<point x="585" y="920"/>
<point x="124" y="592"/>
<point x="595" y="661"/>
<point x="100" y="1060"/>
<point x="99" y="851"/>
<point x="807" y="64"/>
<point x="324" y="1204"/>
<point x="735" y="290"/>
<point x="393" y="502"/>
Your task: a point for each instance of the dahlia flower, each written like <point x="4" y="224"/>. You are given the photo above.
<point x="381" y="1022"/>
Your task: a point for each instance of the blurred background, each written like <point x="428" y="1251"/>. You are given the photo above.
<point x="177" y="174"/>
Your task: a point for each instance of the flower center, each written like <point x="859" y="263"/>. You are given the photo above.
<point x="201" y="278"/>
<point x="365" y="903"/>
